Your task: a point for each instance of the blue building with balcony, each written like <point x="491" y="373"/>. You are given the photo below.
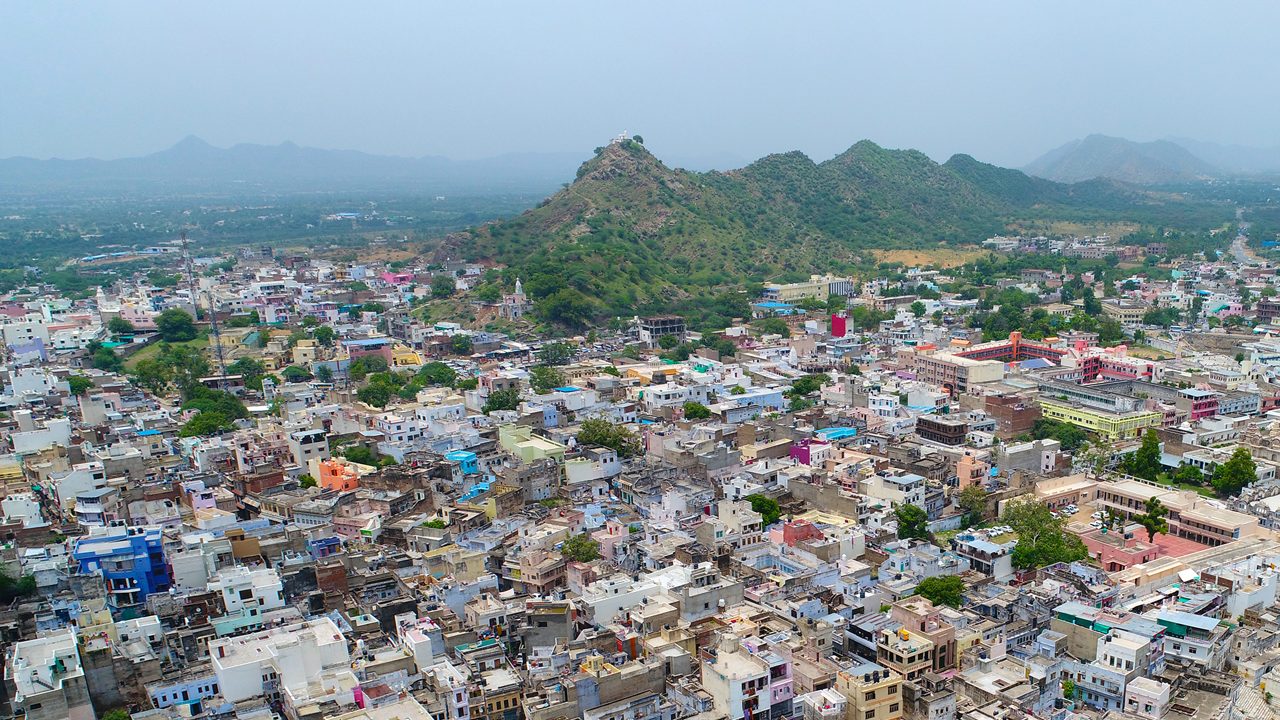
<point x="131" y="561"/>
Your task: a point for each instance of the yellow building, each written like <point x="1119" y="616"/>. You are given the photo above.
<point x="1110" y="425"/>
<point x="874" y="692"/>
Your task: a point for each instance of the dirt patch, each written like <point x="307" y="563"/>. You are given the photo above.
<point x="947" y="257"/>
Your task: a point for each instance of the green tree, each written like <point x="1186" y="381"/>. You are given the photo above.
<point x="442" y="285"/>
<point x="79" y="384"/>
<point x="116" y="714"/>
<point x="556" y="353"/>
<point x="1042" y="538"/>
<point x="917" y="309"/>
<point x="324" y="336"/>
<point x="120" y="326"/>
<point x="377" y="395"/>
<point x="666" y="342"/>
<point x="1153" y="520"/>
<point x="568" y="307"/>
<point x="942" y="590"/>
<point x="324" y="373"/>
<point x="251" y="370"/>
<point x="1070" y="436"/>
<point x="152" y="375"/>
<point x="1237" y="473"/>
<point x="696" y="411"/>
<point x="973" y="501"/>
<point x="544" y="378"/>
<point x="12" y="588"/>
<point x="1187" y="474"/>
<point x="295" y="374"/>
<point x="176" y="325"/>
<point x="357" y="370"/>
<point x="360" y="455"/>
<point x="913" y="522"/>
<point x="598" y="431"/>
<point x="306" y="481"/>
<point x="437" y="373"/>
<point x="501" y="400"/>
<point x="768" y="508"/>
<point x="462" y="344"/>
<point x="772" y="326"/>
<point x="1145" y="461"/>
<point x="580" y="548"/>
<point x="206" y="423"/>
<point x="738" y="390"/>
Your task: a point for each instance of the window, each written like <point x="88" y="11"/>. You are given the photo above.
<point x="893" y="689"/>
<point x="869" y="696"/>
<point x="870" y="714"/>
<point x="893" y="708"/>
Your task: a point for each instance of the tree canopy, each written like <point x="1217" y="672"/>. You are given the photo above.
<point x="768" y="508"/>
<point x="598" y="431"/>
<point x="913" y="522"/>
<point x="1235" y="474"/>
<point x="1042" y="538"/>
<point x="176" y="325"/>
<point x="942" y="590"/>
<point x="580" y="548"/>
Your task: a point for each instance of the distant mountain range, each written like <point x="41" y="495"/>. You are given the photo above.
<point x="633" y="235"/>
<point x="1148" y="163"/>
<point x="1160" y="162"/>
<point x="195" y="166"/>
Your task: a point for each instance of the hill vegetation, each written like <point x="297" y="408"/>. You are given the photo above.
<point x="631" y="235"/>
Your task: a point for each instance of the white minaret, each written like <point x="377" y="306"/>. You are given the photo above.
<point x="519" y="287"/>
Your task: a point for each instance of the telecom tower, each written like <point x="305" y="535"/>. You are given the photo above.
<point x="195" y="311"/>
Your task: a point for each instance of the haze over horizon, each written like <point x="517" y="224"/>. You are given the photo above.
<point x="1004" y="82"/>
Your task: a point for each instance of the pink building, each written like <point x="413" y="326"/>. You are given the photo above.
<point x="397" y="278"/>
<point x="1115" y="551"/>
<point x="795" y="531"/>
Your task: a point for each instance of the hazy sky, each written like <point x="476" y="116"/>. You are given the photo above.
<point x="1001" y="81"/>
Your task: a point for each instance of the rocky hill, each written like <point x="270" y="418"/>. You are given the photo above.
<point x="631" y="235"/>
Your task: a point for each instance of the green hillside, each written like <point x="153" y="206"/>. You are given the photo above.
<point x="631" y="235"/>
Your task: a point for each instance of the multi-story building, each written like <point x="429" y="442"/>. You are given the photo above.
<point x="872" y="692"/>
<point x="131" y="561"/>
<point x="280" y="661"/>
<point x="652" y="328"/>
<point x="942" y="429"/>
<point x="1191" y="516"/>
<point x="741" y="682"/>
<point x="1111" y="425"/>
<point x="906" y="653"/>
<point x="45" y="679"/>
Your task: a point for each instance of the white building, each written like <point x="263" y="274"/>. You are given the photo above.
<point x="47" y="678"/>
<point x="246" y="590"/>
<point x="282" y="660"/>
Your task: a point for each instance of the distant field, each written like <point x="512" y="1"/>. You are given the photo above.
<point x="943" y="257"/>
<point x="1053" y="228"/>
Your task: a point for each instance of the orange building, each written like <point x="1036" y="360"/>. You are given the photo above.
<point x="336" y="474"/>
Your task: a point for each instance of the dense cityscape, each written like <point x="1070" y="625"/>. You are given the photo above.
<point x="915" y="361"/>
<point x="268" y="485"/>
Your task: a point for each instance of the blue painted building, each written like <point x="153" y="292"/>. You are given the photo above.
<point x="466" y="461"/>
<point x="130" y="559"/>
